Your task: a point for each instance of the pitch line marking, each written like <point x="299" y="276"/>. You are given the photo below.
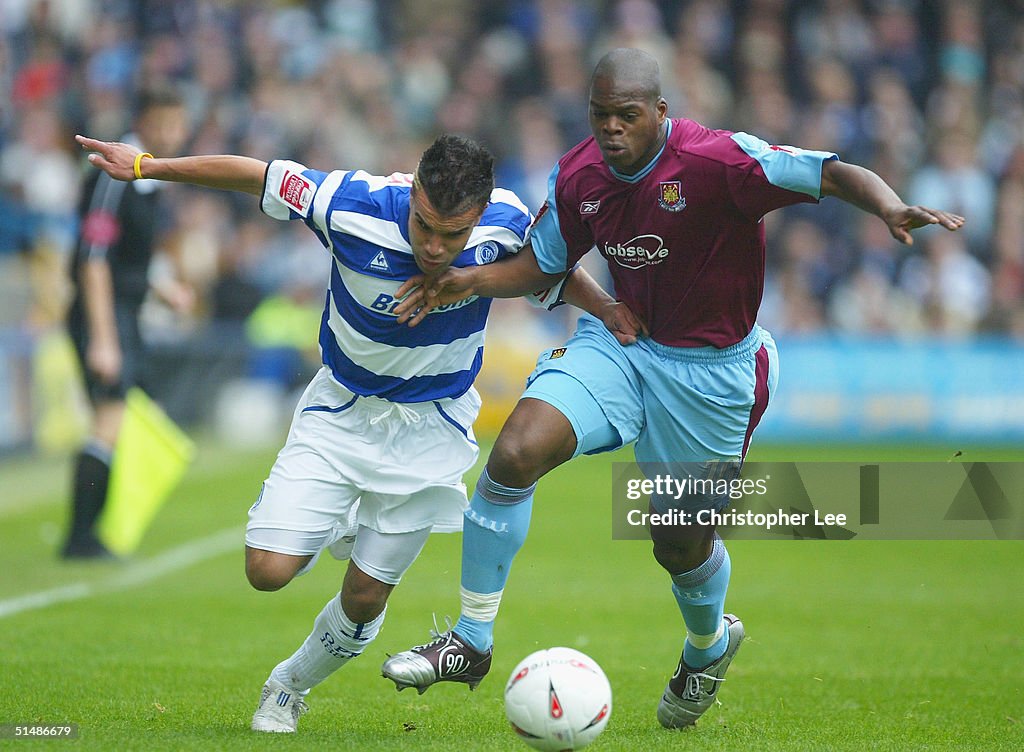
<point x="134" y="574"/>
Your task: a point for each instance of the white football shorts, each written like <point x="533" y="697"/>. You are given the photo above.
<point x="350" y="460"/>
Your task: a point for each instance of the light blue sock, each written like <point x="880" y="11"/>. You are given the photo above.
<point x="701" y="597"/>
<point x="495" y="527"/>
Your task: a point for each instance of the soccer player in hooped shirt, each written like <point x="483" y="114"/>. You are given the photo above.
<point x="383" y="434"/>
<point x="675" y="209"/>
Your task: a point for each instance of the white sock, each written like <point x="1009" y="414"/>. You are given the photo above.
<point x="334" y="641"/>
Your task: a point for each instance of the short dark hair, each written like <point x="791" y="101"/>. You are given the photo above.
<point x="457" y="174"/>
<point x="158" y="95"/>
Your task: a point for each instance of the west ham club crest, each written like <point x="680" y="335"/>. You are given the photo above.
<point x="670" y="197"/>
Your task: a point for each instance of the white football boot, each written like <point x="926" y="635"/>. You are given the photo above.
<point x="279" y="709"/>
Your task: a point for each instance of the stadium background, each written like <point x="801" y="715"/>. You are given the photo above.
<point x="887" y="352"/>
<point x="930" y="95"/>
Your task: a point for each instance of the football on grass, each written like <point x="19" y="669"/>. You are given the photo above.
<point x="558" y="699"/>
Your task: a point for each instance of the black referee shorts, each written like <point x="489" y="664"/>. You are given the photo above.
<point x="132" y="352"/>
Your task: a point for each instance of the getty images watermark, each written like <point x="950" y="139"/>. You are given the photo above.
<point x="670" y="489"/>
<point x="823" y="500"/>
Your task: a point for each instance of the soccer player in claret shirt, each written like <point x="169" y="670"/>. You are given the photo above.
<point x="379" y="441"/>
<point x="675" y="208"/>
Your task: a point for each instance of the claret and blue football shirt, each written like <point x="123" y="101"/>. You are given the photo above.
<point x="683" y="237"/>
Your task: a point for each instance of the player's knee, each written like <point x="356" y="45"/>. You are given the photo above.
<point x="268" y="571"/>
<point x="669" y="557"/>
<point x="535" y="439"/>
<point x="681" y="555"/>
<point x="518" y="460"/>
<point x="363" y="597"/>
<point x="266" y="579"/>
<point x="363" y="606"/>
<point x="513" y="463"/>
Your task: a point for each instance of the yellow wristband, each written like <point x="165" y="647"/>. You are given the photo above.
<point x="138" y="163"/>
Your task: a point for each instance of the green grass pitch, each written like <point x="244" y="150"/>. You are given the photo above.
<point x="852" y="645"/>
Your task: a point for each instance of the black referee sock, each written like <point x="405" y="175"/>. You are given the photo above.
<point x="91" y="479"/>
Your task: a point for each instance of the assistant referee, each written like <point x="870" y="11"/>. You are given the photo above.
<point x="110" y="274"/>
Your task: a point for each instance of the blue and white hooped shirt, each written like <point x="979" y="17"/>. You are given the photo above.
<point x="363" y="221"/>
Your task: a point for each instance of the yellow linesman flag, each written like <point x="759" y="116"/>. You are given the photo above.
<point x="151" y="456"/>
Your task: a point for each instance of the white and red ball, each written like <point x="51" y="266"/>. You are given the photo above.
<point x="558" y="699"/>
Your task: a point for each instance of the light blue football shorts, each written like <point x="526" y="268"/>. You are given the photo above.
<point x="679" y="404"/>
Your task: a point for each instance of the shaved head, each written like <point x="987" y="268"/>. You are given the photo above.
<point x="627" y="111"/>
<point x="629" y="71"/>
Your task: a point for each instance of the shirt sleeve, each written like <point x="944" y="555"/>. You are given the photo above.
<point x="775" y="176"/>
<point x="501" y="231"/>
<point x="558" y="236"/>
<point x="551" y="297"/>
<point x="291" y="191"/>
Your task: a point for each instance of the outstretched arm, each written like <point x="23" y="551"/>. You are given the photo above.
<point x="866" y="190"/>
<point x="224" y="171"/>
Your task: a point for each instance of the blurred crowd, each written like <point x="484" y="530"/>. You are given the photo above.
<point x="928" y="94"/>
